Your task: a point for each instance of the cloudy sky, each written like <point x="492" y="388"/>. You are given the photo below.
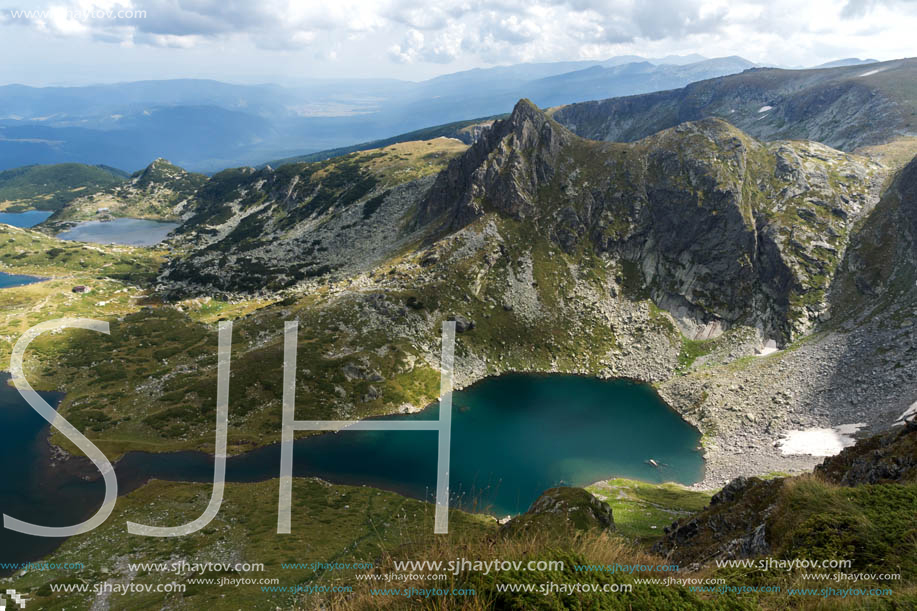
<point x="83" y="41"/>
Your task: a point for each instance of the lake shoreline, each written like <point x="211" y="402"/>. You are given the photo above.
<point x="595" y="439"/>
<point x="720" y="466"/>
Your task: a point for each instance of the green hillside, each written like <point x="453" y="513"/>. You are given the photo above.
<point x="50" y="187"/>
<point x="460" y="130"/>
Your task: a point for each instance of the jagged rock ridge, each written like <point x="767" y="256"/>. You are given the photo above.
<point x="717" y="228"/>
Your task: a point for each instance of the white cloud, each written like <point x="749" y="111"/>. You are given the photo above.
<point x="466" y="33"/>
<point x="409" y="50"/>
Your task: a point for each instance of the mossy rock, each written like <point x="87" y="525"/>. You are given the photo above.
<point x="562" y="509"/>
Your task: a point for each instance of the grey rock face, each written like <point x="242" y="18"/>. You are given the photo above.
<point x="890" y="457"/>
<point x="503" y="169"/>
<point x="717" y="228"/>
<point x="734" y="525"/>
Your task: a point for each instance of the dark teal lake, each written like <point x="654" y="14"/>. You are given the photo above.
<point x="512" y="437"/>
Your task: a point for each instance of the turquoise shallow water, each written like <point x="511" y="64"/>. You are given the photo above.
<point x="512" y="437"/>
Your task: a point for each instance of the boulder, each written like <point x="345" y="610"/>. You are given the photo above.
<point x="462" y="324"/>
<point x="561" y="510"/>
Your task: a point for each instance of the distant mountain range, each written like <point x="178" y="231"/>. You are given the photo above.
<point x="208" y="125"/>
<point x="845" y="107"/>
<point x="849" y="61"/>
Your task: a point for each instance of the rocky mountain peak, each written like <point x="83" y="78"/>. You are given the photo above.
<point x="160" y="168"/>
<point x="503" y="169"/>
<point x="162" y="174"/>
<point x="693" y="203"/>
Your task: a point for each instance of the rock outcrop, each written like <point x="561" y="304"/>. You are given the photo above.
<point x="562" y="510"/>
<point x="748" y="516"/>
<point x="734" y="525"/>
<point x="885" y="458"/>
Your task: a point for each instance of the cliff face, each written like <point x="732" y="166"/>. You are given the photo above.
<point x="878" y="274"/>
<point x="716" y="227"/>
<point x="505" y="168"/>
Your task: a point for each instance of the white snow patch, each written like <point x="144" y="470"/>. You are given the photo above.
<point x="908" y="412"/>
<point x="819" y="442"/>
<point x="870" y="73"/>
<point x="765" y="108"/>
<point x="770" y="347"/>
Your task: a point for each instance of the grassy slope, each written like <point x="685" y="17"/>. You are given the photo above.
<point x="369" y="526"/>
<point x="329" y="524"/>
<point x="871" y="526"/>
<point x="642" y="510"/>
<point x="50" y="187"/>
<point x="811" y="520"/>
<point x="449" y="130"/>
<point x="112" y="273"/>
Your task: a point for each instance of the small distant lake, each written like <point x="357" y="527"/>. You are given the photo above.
<point x="8" y="280"/>
<point x="513" y="437"/>
<point x="24" y="219"/>
<point x="132" y="232"/>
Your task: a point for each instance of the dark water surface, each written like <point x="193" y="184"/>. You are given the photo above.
<point x="512" y="437"/>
